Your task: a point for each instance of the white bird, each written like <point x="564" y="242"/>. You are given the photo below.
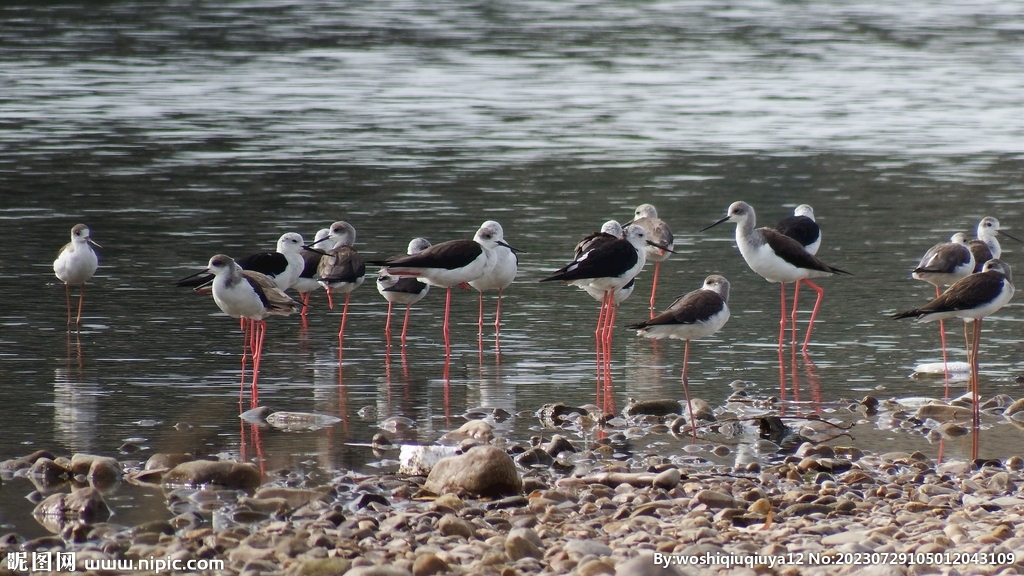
<point x="448" y="264"/>
<point x="341" y="268"/>
<point x="75" y="265"/>
<point x="698" y="314"/>
<point x="608" y="268"/>
<point x="986" y="246"/>
<point x="971" y="298"/>
<point x="308" y="280"/>
<point x="400" y="290"/>
<point x="776" y="258"/>
<point x="661" y="241"/>
<point x="499" y="277"/>
<point x="250" y="296"/>
<point x="283" y="267"/>
<point x="942" y="265"/>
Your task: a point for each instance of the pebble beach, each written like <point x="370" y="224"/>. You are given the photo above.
<point x="553" y="505"/>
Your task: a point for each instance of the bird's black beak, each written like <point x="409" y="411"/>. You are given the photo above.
<point x="661" y="246"/>
<point x="314" y="250"/>
<point x="200" y="273"/>
<point x="96" y="244"/>
<point x="510" y="247"/>
<point x="1008" y="236"/>
<point x="719" y="221"/>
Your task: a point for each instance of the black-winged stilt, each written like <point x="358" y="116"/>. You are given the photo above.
<point x="75" y="265"/>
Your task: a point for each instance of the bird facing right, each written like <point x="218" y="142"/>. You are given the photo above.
<point x="75" y="265"/>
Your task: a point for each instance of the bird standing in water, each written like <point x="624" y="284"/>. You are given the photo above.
<point x="75" y="265"/>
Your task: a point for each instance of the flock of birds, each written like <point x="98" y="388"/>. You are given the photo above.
<point x="605" y="264"/>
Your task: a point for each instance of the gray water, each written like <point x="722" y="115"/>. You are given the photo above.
<point x="180" y="130"/>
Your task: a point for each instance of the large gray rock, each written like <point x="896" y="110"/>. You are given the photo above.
<point x="85" y="505"/>
<point x="224" y="474"/>
<point x="483" y="471"/>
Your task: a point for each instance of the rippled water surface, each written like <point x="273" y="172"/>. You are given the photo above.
<point x="180" y="130"/>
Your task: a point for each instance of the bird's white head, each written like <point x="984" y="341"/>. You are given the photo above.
<point x="645" y="211"/>
<point x="343" y="234"/>
<point x="997" y="265"/>
<point x="804" y="210"/>
<point x="612" y="227"/>
<point x="740" y="213"/>
<point x="635" y="235"/>
<point x="80" y="235"/>
<point x="417" y="245"/>
<point x="221" y="264"/>
<point x="717" y="284"/>
<point x="959" y="238"/>
<point x="290" y="243"/>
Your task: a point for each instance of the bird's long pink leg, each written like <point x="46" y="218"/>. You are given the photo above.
<point x="598" y="333"/>
<point x="81" y="296"/>
<point x="305" y="303"/>
<point x="975" y="395"/>
<point x="344" y="317"/>
<point x="497" y="314"/>
<point x="260" y="328"/>
<point x="405" y="324"/>
<point x="654" y="286"/>
<point x="67" y="296"/>
<point x="814" y="313"/>
<point x="792" y="318"/>
<point x="387" y="324"/>
<point x="686" y="391"/>
<point x="942" y="337"/>
<point x="782" y="322"/>
<point x="609" y="329"/>
<point x="480" y="318"/>
<point x="245" y="351"/>
<point x="330" y="299"/>
<point x="447" y="334"/>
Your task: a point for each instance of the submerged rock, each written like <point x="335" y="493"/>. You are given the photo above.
<point x="652" y="407"/>
<point x="558" y="414"/>
<point x="15" y="464"/>
<point x="295" y="421"/>
<point x="85" y="505"/>
<point x="483" y="471"/>
<point x="224" y="474"/>
<point x="163" y="460"/>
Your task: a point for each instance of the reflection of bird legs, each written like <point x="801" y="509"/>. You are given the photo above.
<point x="975" y="396"/>
<point x="686" y="391"/>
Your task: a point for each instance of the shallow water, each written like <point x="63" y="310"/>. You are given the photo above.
<point x="180" y="131"/>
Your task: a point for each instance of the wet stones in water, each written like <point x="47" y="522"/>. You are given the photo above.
<point x="558" y="414"/>
<point x="381" y="442"/>
<point x="165" y="461"/>
<point x="100" y="471"/>
<point x="46" y="473"/>
<point x="557" y="445"/>
<point x="224" y="474"/>
<point x="1015" y="411"/>
<point x="85" y="505"/>
<point x="256" y="415"/>
<point x="474" y="429"/>
<point x="483" y="471"/>
<point x="16" y="464"/>
<point x="295" y="497"/>
<point x="943" y="413"/>
<point x="397" y="424"/>
<point x="665" y="407"/>
<point x="534" y="457"/>
<point x="300" y="421"/>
